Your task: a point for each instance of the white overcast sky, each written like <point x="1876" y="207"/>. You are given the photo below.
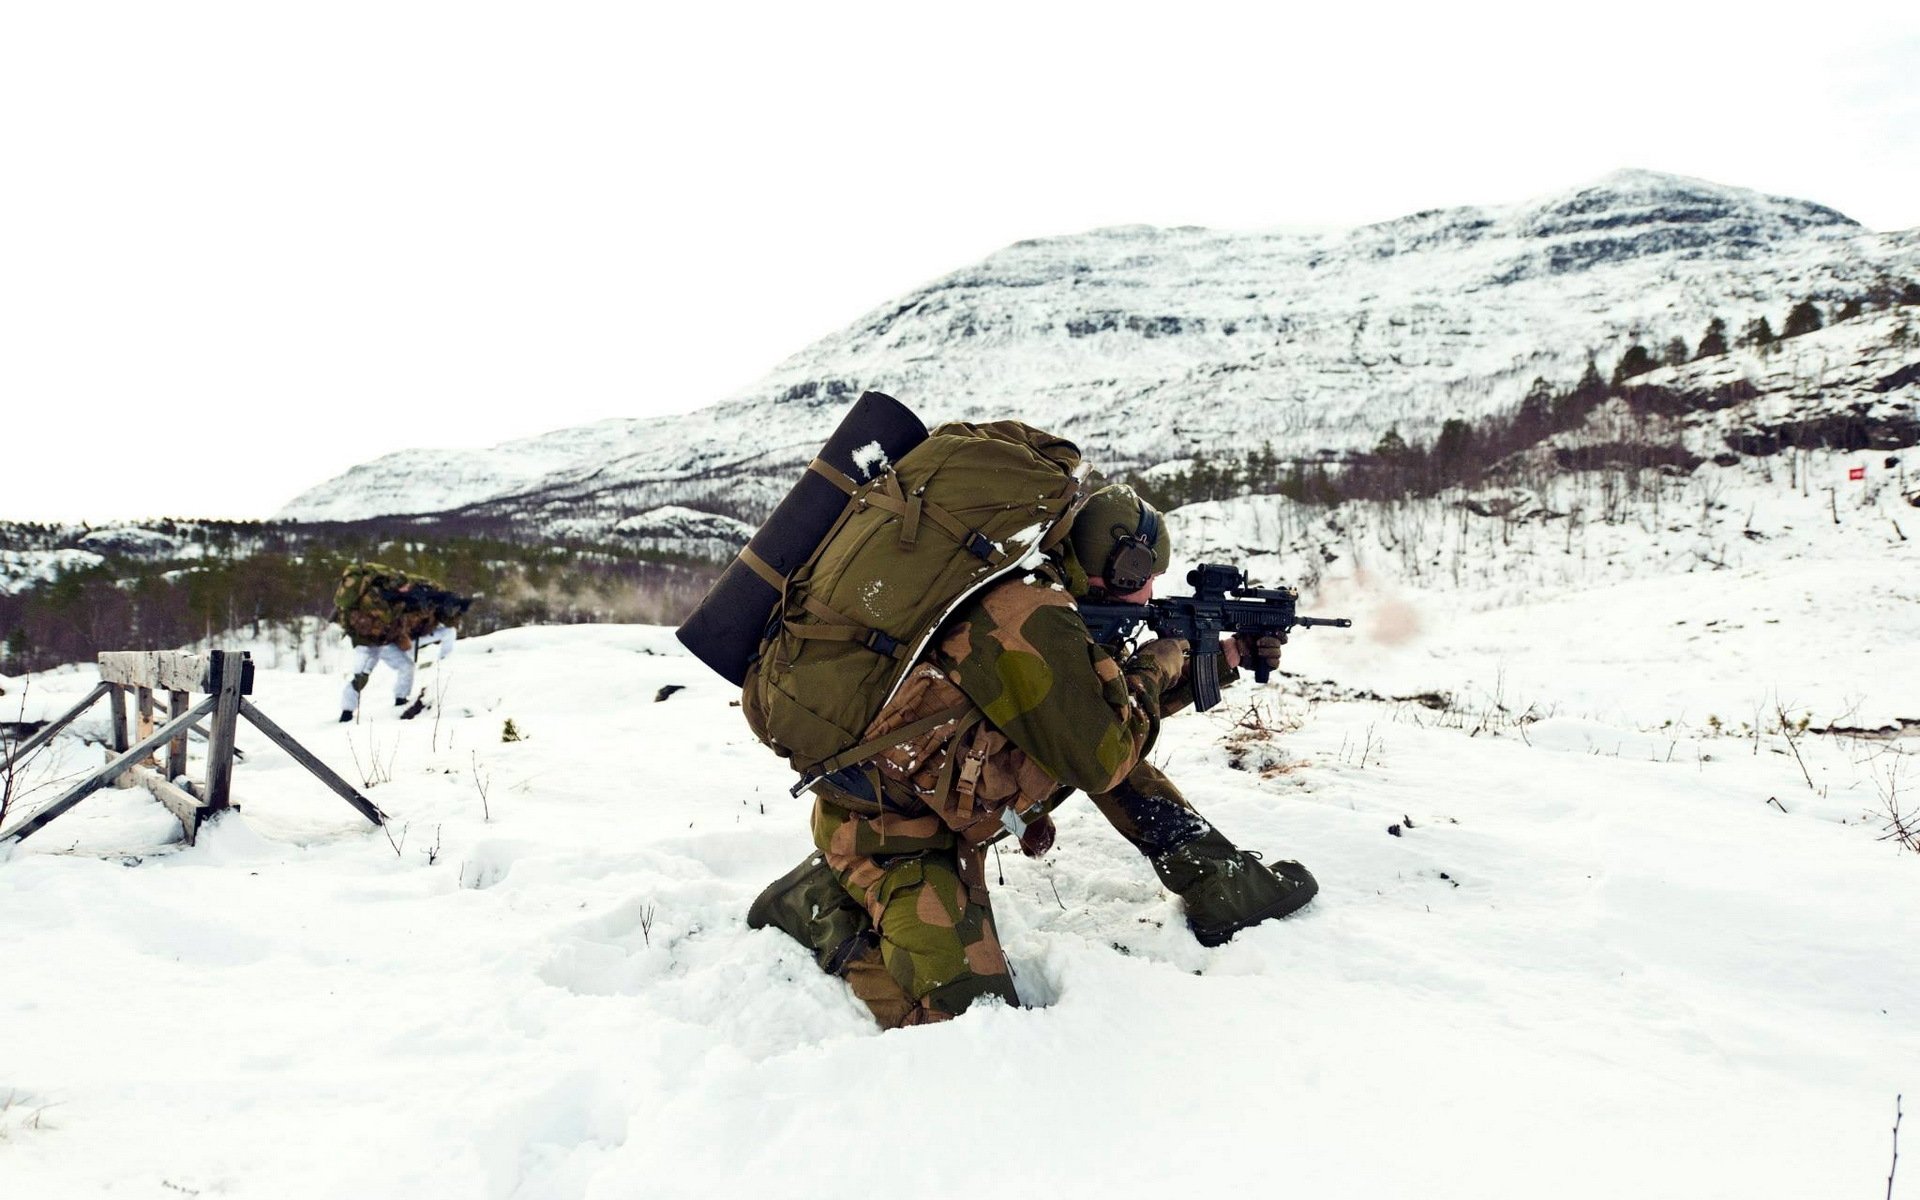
<point x="245" y="246"/>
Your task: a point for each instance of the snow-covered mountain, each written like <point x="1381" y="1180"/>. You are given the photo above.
<point x="1149" y="344"/>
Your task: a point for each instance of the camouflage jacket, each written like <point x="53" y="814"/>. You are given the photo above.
<point x="379" y="606"/>
<point x="375" y="620"/>
<point x="1046" y="710"/>
<point x="418" y="623"/>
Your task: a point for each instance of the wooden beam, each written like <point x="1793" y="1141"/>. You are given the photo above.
<point x="117" y="732"/>
<point x="305" y="758"/>
<point x="177" y="748"/>
<point x="48" y="731"/>
<point x="228" y="670"/>
<point x="143" y="711"/>
<point x="168" y="670"/>
<point x="113" y="770"/>
<point x="184" y="805"/>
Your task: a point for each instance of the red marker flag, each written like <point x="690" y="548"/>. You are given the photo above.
<point x="1854" y="474"/>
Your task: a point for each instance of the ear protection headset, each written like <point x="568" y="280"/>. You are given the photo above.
<point x="1130" y="565"/>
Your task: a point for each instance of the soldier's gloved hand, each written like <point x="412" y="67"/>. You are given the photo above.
<point x="1245" y="650"/>
<point x="1168" y="657"/>
<point x="1037" y="839"/>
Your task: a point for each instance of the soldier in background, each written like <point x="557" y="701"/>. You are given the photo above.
<point x="895" y="901"/>
<point x="388" y="615"/>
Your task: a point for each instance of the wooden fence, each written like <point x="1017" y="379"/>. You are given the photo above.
<point x="198" y="687"/>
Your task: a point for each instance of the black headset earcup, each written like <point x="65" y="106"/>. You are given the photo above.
<point x="1130" y="567"/>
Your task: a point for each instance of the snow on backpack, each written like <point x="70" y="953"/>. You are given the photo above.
<point x="959" y="510"/>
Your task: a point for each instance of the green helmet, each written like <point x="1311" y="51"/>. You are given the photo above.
<point x="1121" y="538"/>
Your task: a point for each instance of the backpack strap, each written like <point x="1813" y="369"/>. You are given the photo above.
<point x="833" y="475"/>
<point x="958" y="774"/>
<point x="889" y="498"/>
<point x="841" y="628"/>
<point x="893" y="737"/>
<point x="1070" y="501"/>
<point x="764" y="569"/>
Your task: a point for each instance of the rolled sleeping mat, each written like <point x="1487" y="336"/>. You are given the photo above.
<point x="725" y="628"/>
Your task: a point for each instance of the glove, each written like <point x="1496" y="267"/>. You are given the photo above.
<point x="1262" y="653"/>
<point x="1168" y="657"/>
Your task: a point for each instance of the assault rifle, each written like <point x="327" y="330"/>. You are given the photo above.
<point x="1221" y="603"/>
<point x="423" y="597"/>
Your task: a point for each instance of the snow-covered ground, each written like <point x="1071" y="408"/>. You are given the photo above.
<point x="1630" y="938"/>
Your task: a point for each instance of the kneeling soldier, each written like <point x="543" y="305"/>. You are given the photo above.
<point x="895" y="900"/>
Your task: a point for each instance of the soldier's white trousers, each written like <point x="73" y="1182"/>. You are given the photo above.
<point x="365" y="658"/>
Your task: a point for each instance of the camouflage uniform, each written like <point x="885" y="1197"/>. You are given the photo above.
<point x="1012" y="709"/>
<point x="385" y="629"/>
<point x="375" y="618"/>
<point x="1047" y="711"/>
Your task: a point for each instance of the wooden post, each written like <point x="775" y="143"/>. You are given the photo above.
<point x="143" y="709"/>
<point x="117" y="735"/>
<point x="177" y="748"/>
<point x="228" y="668"/>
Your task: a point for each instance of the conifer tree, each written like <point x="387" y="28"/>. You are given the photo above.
<point x="1263" y="469"/>
<point x="1804" y="318"/>
<point x="1676" y="352"/>
<point x="1536" y="411"/>
<point x="1636" y="361"/>
<point x="1391" y="447"/>
<point x="1452" y="450"/>
<point x="1572" y="408"/>
<point x="1714" y="342"/>
<point x="1591" y="386"/>
<point x="1910" y="294"/>
<point x="1758" y="333"/>
<point x="1848" y="311"/>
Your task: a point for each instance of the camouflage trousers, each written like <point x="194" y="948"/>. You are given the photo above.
<point x="932" y="949"/>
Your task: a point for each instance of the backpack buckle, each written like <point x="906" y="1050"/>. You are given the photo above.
<point x="880" y="643"/>
<point x="979" y="546"/>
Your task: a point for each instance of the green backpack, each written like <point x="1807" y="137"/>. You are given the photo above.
<point x="967" y="506"/>
<point x="359" y="604"/>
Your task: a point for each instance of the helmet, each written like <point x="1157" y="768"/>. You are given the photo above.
<point x="1121" y="538"/>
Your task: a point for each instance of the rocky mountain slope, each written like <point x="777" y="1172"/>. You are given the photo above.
<point x="1152" y="344"/>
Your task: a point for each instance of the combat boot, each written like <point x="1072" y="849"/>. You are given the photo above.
<point x="1227" y="889"/>
<point x="809" y="905"/>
